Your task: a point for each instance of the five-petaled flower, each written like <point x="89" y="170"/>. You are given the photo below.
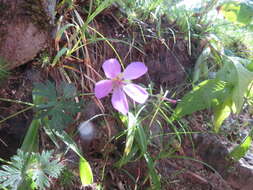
<point x="119" y="83"/>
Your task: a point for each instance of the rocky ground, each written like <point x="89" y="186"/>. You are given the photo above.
<point x="202" y="161"/>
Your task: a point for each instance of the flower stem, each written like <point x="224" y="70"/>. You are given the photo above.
<point x="17" y="113"/>
<point x="16" y="101"/>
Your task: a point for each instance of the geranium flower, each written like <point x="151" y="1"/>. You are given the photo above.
<point x="119" y="83"/>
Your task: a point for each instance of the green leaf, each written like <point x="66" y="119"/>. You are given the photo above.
<point x="236" y="74"/>
<point x="142" y="139"/>
<point x="46" y="90"/>
<point x="131" y="127"/>
<point x="84" y="166"/>
<point x="30" y="171"/>
<point x="85" y="172"/>
<point x="239" y="13"/>
<point x="152" y="172"/>
<point x="250" y="66"/>
<point x="245" y="14"/>
<point x="31" y="141"/>
<point x="45" y="168"/>
<point x="240" y="151"/>
<point x="125" y="159"/>
<point x="207" y="94"/>
<point x="59" y="106"/>
<point x="69" y="90"/>
<point x="50" y="133"/>
<point x="62" y="30"/>
<point x="221" y="112"/>
<point x="13" y="175"/>
<point x="201" y="65"/>
<point x="230" y="11"/>
<point x="59" y="55"/>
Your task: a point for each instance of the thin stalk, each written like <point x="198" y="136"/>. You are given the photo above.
<point x="16" y="101"/>
<point x="17" y="113"/>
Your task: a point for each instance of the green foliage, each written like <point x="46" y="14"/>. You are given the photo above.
<point x="155" y="179"/>
<point x="67" y="177"/>
<point x="59" y="54"/>
<point x="44" y="168"/>
<point x="224" y="94"/>
<point x="12" y="175"/>
<point x="201" y="65"/>
<point x="221" y="112"/>
<point x="131" y="128"/>
<point x="137" y="142"/>
<point x="240" y="151"/>
<point x="86" y="174"/>
<point x="239" y="77"/>
<point x="207" y="94"/>
<point x="142" y="9"/>
<point x="238" y="12"/>
<point x="30" y="169"/>
<point x="3" y="71"/>
<point x="31" y="140"/>
<point x="59" y="105"/>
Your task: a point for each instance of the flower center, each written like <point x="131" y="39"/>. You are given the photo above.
<point x="118" y="80"/>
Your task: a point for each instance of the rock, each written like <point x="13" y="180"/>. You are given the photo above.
<point x="239" y="175"/>
<point x="24" y="30"/>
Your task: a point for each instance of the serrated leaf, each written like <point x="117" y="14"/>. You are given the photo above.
<point x="13" y="175"/>
<point x="59" y="108"/>
<point x="28" y="170"/>
<point x="44" y="168"/>
<point x="69" y="90"/>
<point x="46" y="90"/>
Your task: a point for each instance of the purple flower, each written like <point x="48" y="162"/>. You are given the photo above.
<point x="119" y="84"/>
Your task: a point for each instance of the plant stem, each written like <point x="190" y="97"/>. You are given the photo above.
<point x="15" y="114"/>
<point x="16" y="101"/>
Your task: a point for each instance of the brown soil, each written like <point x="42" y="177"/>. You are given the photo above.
<point x="168" y="63"/>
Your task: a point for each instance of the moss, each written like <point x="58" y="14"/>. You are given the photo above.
<point x="3" y="70"/>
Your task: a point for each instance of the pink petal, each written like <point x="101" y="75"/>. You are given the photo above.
<point x="111" y="68"/>
<point x="119" y="101"/>
<point x="134" y="70"/>
<point x="136" y="92"/>
<point x="103" y="88"/>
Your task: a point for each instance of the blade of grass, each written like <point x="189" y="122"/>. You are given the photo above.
<point x="86" y="176"/>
